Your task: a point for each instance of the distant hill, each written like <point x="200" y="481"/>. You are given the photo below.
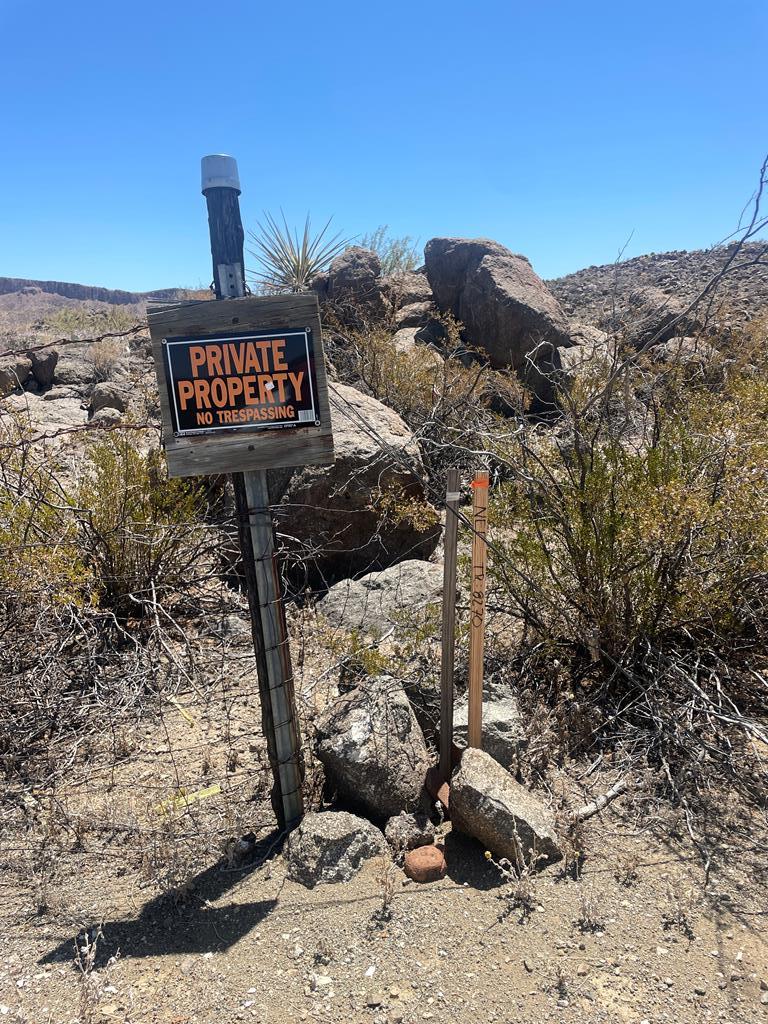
<point x="589" y="294"/>
<point x="87" y="293"/>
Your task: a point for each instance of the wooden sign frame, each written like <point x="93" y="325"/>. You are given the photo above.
<point x="242" y="449"/>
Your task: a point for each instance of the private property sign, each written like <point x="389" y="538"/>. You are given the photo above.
<point x="242" y="384"/>
<point x="258" y="381"/>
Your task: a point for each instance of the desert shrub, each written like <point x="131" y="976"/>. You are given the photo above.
<point x="105" y="355"/>
<point x="447" y="401"/>
<point x="40" y="562"/>
<point x="141" y="533"/>
<point x="396" y="254"/>
<point x="639" y="565"/>
<point x="287" y="262"/>
<point x="84" y="320"/>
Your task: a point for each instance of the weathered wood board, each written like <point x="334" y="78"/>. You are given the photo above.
<point x="242" y="447"/>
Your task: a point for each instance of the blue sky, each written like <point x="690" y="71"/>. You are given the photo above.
<point x="557" y="128"/>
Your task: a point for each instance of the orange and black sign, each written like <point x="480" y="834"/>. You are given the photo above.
<point x="263" y="380"/>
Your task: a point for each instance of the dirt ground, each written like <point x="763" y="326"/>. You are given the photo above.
<point x="134" y="861"/>
<point x="250" y="945"/>
<point x="634" y="938"/>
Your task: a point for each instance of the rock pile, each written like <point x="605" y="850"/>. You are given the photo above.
<point x="589" y="295"/>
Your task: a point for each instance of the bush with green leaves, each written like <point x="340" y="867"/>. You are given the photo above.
<point x="638" y="560"/>
<point x="448" y="402"/>
<point x="41" y="561"/>
<point x="141" y="533"/>
<point x="396" y="254"/>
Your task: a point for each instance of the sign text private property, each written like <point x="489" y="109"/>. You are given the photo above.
<point x="241" y="381"/>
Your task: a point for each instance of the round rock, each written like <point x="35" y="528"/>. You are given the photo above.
<point x="425" y="864"/>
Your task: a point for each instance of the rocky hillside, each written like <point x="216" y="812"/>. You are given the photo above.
<point x="84" y="292"/>
<point x="589" y="294"/>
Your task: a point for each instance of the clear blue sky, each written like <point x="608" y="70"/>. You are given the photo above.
<point x="556" y="128"/>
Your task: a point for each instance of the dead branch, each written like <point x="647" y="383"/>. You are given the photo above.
<point x="600" y="803"/>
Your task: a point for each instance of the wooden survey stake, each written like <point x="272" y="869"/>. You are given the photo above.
<point x="477" y="609"/>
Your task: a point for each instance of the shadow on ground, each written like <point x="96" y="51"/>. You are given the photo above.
<point x="467" y="864"/>
<point x="164" y="926"/>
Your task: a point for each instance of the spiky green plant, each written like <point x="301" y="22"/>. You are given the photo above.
<point x="288" y="263"/>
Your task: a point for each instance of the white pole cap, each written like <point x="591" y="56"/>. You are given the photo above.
<point x="219" y="171"/>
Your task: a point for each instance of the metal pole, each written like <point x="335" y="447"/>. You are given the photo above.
<point x="477" y="610"/>
<point x="221" y="188"/>
<point x="452" y="496"/>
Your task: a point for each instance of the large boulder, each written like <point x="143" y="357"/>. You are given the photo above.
<point x="406" y="288"/>
<point x="75" y="366"/>
<point x="372" y="748"/>
<point x="352" y="286"/>
<point x="331" y="846"/>
<point x="487" y="804"/>
<point x="14" y="372"/>
<point x="344" y="519"/>
<point x="408" y="297"/>
<point x="503" y="727"/>
<point x="381" y="601"/>
<point x="417" y="314"/>
<point x="49" y="417"/>
<point x="506" y="309"/>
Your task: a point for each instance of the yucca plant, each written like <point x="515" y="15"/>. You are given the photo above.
<point x="287" y="263"/>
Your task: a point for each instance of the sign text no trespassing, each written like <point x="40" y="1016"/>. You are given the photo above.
<point x="259" y="380"/>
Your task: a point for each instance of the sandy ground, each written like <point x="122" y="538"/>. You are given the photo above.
<point x="158" y="805"/>
<point x="635" y="937"/>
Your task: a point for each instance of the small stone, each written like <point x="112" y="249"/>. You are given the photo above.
<point x="320" y="981"/>
<point x="374" y="1000"/>
<point x="764" y="998"/>
<point x="699" y="990"/>
<point x="409" y="831"/>
<point x="425" y="864"/>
